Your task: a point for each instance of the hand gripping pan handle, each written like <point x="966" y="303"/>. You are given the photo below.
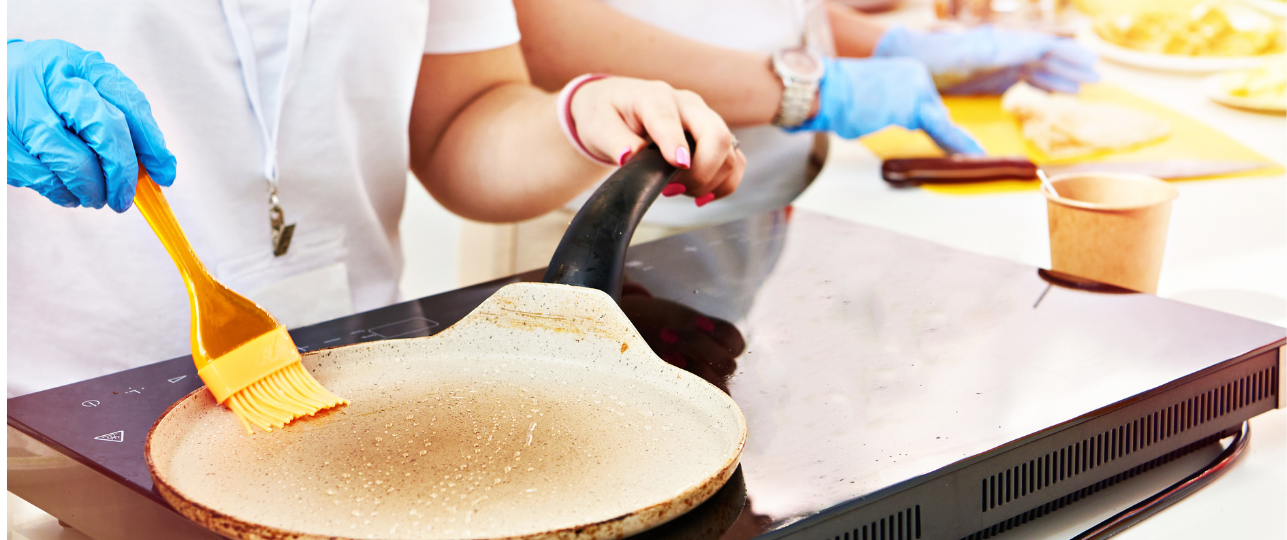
<point x="593" y="250"/>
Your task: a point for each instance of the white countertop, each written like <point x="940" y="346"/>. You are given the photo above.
<point x="1226" y="250"/>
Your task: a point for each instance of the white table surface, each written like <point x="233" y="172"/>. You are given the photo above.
<point x="1226" y="250"/>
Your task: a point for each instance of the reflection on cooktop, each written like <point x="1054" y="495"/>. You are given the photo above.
<point x="706" y="346"/>
<point x="864" y="361"/>
<point x="406" y="328"/>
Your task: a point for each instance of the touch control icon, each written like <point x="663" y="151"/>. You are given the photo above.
<point x="115" y="436"/>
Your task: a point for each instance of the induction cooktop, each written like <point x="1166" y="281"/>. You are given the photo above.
<point x="893" y="388"/>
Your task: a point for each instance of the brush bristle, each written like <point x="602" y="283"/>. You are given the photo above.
<point x="284" y="395"/>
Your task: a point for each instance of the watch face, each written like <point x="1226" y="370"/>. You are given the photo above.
<point x="799" y="61"/>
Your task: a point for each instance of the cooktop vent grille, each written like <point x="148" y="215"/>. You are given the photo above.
<point x="904" y="525"/>
<point x="1075" y="496"/>
<point x="1012" y="485"/>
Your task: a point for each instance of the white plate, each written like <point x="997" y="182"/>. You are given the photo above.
<point x="1277" y="8"/>
<point x="1166" y="62"/>
<point x="1212" y="87"/>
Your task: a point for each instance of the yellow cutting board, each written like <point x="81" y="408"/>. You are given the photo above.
<point x="999" y="133"/>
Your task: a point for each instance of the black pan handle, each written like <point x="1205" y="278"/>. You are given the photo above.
<point x="593" y="250"/>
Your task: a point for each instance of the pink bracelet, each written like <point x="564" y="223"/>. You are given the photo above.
<point x="565" y="115"/>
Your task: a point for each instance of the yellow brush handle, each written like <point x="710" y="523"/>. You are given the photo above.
<point x="152" y="204"/>
<point x="247" y="360"/>
<point x="222" y="320"/>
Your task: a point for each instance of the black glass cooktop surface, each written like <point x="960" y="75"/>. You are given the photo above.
<point x="862" y="359"/>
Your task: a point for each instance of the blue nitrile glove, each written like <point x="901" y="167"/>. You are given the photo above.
<point x="986" y="60"/>
<point x="858" y="97"/>
<point x="78" y="128"/>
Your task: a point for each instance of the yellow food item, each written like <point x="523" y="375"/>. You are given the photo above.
<point x="1268" y="82"/>
<point x="1064" y="126"/>
<point x="1209" y="29"/>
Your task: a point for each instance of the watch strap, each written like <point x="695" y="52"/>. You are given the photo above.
<point x="797" y="103"/>
<point x="798" y="94"/>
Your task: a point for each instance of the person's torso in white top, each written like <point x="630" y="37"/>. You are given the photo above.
<point x="93" y="292"/>
<point x="777" y="161"/>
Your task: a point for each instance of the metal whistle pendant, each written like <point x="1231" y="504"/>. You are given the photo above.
<point x="282" y="232"/>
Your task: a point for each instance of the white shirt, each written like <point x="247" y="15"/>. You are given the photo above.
<point x="776" y="160"/>
<point x="93" y="292"/>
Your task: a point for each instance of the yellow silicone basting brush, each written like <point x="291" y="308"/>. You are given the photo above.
<point x="243" y="354"/>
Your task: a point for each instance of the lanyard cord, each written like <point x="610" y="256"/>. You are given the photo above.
<point x="296" y="34"/>
<point x="815" y="30"/>
<point x="800" y="19"/>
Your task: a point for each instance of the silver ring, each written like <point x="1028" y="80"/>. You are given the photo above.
<point x="736" y="145"/>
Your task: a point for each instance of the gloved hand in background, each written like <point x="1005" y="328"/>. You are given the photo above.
<point x="860" y="96"/>
<point x="986" y="60"/>
<point x="78" y="128"/>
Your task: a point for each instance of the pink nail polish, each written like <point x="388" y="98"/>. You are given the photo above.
<point x="701" y="201"/>
<point x="681" y="156"/>
<point x="675" y="359"/>
<point x="668" y="335"/>
<point x="672" y="189"/>
<point x="624" y="156"/>
<point x="706" y="325"/>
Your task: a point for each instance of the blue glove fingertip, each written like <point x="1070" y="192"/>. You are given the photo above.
<point x="1053" y="83"/>
<point x="1073" y="53"/>
<point x="894" y="42"/>
<point x="970" y="147"/>
<point x="957" y="141"/>
<point x="88" y="192"/>
<point x="121" y="193"/>
<point x="161" y="168"/>
<point x="947" y="135"/>
<point x="124" y="198"/>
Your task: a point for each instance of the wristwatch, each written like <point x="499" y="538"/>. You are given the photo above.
<point x="801" y="72"/>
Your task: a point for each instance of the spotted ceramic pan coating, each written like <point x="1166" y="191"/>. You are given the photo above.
<point x="542" y="414"/>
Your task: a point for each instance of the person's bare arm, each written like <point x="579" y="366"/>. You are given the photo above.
<point x="469" y="164"/>
<point x="487" y="145"/>
<point x="565" y="38"/>
<point x="856" y="34"/>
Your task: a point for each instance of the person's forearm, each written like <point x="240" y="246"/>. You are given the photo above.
<point x="504" y="158"/>
<point x="486" y="144"/>
<point x="856" y="34"/>
<point x="566" y="38"/>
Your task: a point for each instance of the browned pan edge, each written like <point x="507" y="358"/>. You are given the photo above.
<point x="617" y="527"/>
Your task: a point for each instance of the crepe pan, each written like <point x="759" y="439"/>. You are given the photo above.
<point x="541" y="414"/>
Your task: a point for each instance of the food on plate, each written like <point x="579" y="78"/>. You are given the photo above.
<point x="1066" y="126"/>
<point x="1263" y="89"/>
<point x="1208" y="29"/>
<point x="1268" y="83"/>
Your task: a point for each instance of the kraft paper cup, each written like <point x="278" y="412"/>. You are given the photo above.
<point x="1110" y="227"/>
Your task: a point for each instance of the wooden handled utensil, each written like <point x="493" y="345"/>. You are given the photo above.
<point x="961" y="169"/>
